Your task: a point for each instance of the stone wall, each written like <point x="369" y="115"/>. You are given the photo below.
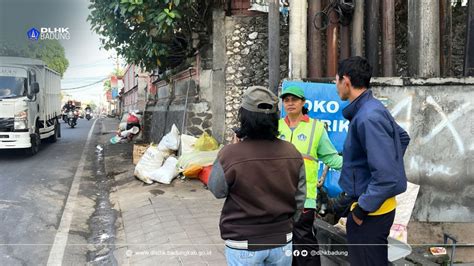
<point x="244" y="59"/>
<point x="247" y="60"/>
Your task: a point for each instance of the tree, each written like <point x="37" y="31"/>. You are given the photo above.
<point x="50" y="51"/>
<point x="118" y="72"/>
<point x="151" y="33"/>
<point x="107" y="86"/>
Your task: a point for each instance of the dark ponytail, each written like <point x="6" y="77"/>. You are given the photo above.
<point x="305" y="110"/>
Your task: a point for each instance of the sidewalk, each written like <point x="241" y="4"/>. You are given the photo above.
<point x="176" y="224"/>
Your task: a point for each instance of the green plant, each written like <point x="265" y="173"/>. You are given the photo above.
<point x="150" y="33"/>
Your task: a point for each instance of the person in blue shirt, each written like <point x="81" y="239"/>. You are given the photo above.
<point x="373" y="172"/>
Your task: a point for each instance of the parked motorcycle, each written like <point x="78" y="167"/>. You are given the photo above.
<point x="72" y="118"/>
<point x="88" y="115"/>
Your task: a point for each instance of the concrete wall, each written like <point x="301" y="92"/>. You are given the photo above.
<point x="217" y="75"/>
<point x="439" y="116"/>
<point x="178" y="100"/>
<point x="135" y="89"/>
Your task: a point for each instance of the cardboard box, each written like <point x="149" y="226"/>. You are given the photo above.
<point x="138" y="151"/>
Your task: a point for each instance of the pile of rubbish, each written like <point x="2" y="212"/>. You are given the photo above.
<point x="129" y="128"/>
<point x="160" y="163"/>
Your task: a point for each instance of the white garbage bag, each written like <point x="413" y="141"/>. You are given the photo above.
<point x="134" y="130"/>
<point x="187" y="144"/>
<point x="171" y="140"/>
<point x="167" y="172"/>
<point x="150" y="161"/>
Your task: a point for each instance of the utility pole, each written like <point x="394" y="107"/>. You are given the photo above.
<point x="358" y="29"/>
<point x="315" y="62"/>
<point x="446" y="37"/>
<point x="273" y="45"/>
<point x="423" y="38"/>
<point x="469" y="53"/>
<point x="345" y="42"/>
<point x="298" y="39"/>
<point x="372" y="29"/>
<point x="332" y="33"/>
<point x="388" y="38"/>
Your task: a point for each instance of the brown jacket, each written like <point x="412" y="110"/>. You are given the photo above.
<point x="264" y="182"/>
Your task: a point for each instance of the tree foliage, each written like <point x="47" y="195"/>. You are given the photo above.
<point x="50" y="51"/>
<point x="150" y="33"/>
<point x="107" y="86"/>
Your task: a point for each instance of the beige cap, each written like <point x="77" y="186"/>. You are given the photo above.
<point x="259" y="99"/>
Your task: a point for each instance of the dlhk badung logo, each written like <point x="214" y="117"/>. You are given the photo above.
<point x="59" y="33"/>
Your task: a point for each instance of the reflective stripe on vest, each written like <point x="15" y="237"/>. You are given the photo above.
<point x="307" y="155"/>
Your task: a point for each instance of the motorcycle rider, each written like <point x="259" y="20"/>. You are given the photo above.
<point x="88" y="111"/>
<point x="69" y="106"/>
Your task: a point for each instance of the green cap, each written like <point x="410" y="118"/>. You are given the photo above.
<point x="293" y="90"/>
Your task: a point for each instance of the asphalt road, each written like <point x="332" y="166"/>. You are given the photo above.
<point x="33" y="193"/>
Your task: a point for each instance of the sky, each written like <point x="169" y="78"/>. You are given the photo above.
<point x="87" y="62"/>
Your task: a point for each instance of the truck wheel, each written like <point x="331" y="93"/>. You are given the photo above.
<point x="35" y="143"/>
<point x="57" y="132"/>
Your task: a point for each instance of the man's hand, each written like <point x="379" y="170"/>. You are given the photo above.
<point x="356" y="220"/>
<point x="359" y="214"/>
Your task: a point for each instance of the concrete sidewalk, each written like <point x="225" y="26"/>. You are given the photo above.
<point x="176" y="224"/>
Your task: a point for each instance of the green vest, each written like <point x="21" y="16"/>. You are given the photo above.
<point x="306" y="138"/>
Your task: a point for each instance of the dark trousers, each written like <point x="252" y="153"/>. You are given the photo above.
<point x="373" y="231"/>
<point x="304" y="240"/>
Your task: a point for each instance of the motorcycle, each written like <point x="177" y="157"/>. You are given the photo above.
<point x="72" y="118"/>
<point x="88" y="115"/>
<point x="64" y="116"/>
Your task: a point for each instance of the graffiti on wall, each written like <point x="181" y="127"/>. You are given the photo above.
<point x="441" y="127"/>
<point x="446" y="120"/>
<point x="447" y="123"/>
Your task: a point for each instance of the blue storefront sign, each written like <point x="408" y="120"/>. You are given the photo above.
<point x="324" y="104"/>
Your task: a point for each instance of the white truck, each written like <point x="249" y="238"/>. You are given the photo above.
<point x="30" y="103"/>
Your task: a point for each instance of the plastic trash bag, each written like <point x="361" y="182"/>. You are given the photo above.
<point x="115" y="139"/>
<point x="331" y="184"/>
<point x="150" y="161"/>
<point x="187" y="143"/>
<point x="192" y="171"/>
<point x="201" y="158"/>
<point x="206" y="143"/>
<point x="126" y="133"/>
<point x="167" y="172"/>
<point x="171" y="140"/>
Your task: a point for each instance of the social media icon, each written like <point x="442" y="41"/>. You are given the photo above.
<point x="304" y="253"/>
<point x="313" y="253"/>
<point x="296" y="253"/>
<point x="288" y="253"/>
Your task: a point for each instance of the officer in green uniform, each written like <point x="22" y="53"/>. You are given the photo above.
<point x="311" y="139"/>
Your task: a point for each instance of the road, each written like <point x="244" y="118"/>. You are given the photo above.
<point x="33" y="194"/>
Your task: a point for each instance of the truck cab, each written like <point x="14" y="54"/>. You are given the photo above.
<point x="29" y="104"/>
